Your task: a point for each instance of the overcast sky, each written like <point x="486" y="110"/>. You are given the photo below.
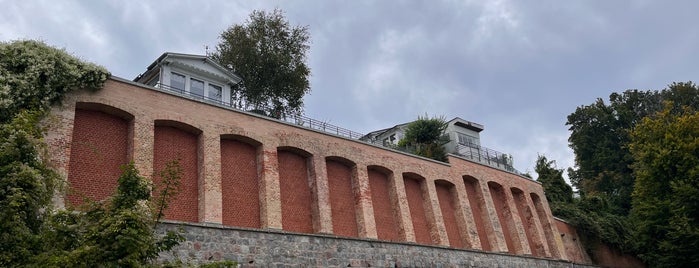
<point x="516" y="67"/>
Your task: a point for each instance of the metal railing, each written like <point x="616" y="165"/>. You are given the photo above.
<point x="296" y="119"/>
<point x="486" y="156"/>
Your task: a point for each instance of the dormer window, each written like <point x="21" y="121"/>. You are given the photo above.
<point x="196" y="88"/>
<point x="177" y="81"/>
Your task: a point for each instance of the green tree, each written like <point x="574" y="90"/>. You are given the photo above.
<point x="425" y="137"/>
<point x="33" y="76"/>
<point x="551" y="178"/>
<point x="600" y="135"/>
<point x="270" y="56"/>
<point x="666" y="193"/>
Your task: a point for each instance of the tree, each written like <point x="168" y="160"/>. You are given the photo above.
<point x="270" y="56"/>
<point x="551" y="178"/>
<point x="666" y="193"/>
<point x="425" y="137"/>
<point x="600" y="138"/>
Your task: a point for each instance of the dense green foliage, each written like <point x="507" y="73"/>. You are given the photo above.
<point x="551" y="178"/>
<point x="33" y="76"/>
<point x="635" y="156"/>
<point x="665" y="210"/>
<point x="600" y="135"/>
<point x="118" y="232"/>
<point x="270" y="56"/>
<point x="425" y="137"/>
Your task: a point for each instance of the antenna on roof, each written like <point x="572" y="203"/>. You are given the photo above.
<point x="206" y="50"/>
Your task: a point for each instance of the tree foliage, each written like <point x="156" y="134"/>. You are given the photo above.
<point x="665" y="210"/>
<point x="551" y="178"/>
<point x="270" y="56"/>
<point x="600" y="136"/>
<point x="425" y="137"/>
<point x="116" y="233"/>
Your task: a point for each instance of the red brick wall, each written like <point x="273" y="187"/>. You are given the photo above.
<point x="527" y="221"/>
<point x="171" y="143"/>
<point x="295" y="192"/>
<point x="239" y="184"/>
<point x="416" y="203"/>
<point x="446" y="198"/>
<point x="475" y="199"/>
<point x="383" y="208"/>
<point x="342" y="201"/>
<point x="499" y="201"/>
<point x="543" y="219"/>
<point x="98" y="149"/>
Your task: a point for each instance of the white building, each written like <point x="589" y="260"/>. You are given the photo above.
<point x="460" y="131"/>
<point x="194" y="75"/>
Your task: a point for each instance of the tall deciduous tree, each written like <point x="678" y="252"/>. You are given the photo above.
<point x="666" y="193"/>
<point x="600" y="138"/>
<point x="551" y="178"/>
<point x="270" y="56"/>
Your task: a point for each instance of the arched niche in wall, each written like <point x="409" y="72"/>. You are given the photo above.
<point x="549" y="235"/>
<point x="240" y="181"/>
<point x="100" y="146"/>
<point x="497" y="192"/>
<point x="414" y="192"/>
<point x="525" y="214"/>
<point x="178" y="141"/>
<point x="448" y="204"/>
<point x="295" y="187"/>
<point x="479" y="210"/>
<point x="341" y="178"/>
<point x="383" y="199"/>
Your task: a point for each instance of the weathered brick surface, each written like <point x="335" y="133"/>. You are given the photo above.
<point x="342" y="199"/>
<point x="239" y="184"/>
<point x="294" y="181"/>
<point x="272" y="248"/>
<point x="99" y="148"/>
<point x="172" y="143"/>
<point x="416" y="203"/>
<point x="384" y="213"/>
<point x="295" y="192"/>
<point x="448" y="208"/>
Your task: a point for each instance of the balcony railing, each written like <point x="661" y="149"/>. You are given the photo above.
<point x="486" y="156"/>
<point x="296" y="119"/>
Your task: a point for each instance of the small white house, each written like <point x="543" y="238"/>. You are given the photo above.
<point x="460" y="131"/>
<point x="195" y="75"/>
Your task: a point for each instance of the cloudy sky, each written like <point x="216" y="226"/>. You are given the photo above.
<point x="516" y="67"/>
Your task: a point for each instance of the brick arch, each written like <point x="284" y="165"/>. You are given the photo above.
<point x="478" y="210"/>
<point x="100" y="146"/>
<point x="414" y="191"/>
<point x="174" y="140"/>
<point x="240" y="191"/>
<point x="549" y="235"/>
<point x="341" y="178"/>
<point x="384" y="201"/>
<point x="504" y="212"/>
<point x="295" y="189"/>
<point x="525" y="214"/>
<point x="448" y="204"/>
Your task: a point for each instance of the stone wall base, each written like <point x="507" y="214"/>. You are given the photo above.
<point x="276" y="248"/>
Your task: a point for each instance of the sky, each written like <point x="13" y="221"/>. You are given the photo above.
<point x="517" y="67"/>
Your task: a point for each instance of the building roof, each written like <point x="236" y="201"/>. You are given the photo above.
<point x="167" y="58"/>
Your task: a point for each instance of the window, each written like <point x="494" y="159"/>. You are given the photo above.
<point x="467" y="139"/>
<point x="215" y="92"/>
<point x="177" y="81"/>
<point x="196" y="87"/>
